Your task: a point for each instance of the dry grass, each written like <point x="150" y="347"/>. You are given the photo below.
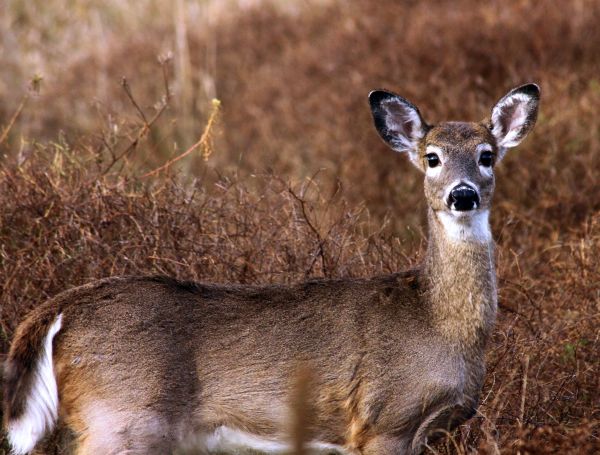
<point x="293" y="80"/>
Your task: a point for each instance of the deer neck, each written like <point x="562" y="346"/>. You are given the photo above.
<point x="460" y="277"/>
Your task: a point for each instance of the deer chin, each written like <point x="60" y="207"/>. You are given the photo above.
<point x="466" y="226"/>
<point x="465" y="214"/>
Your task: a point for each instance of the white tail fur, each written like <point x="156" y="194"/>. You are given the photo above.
<point x="42" y="403"/>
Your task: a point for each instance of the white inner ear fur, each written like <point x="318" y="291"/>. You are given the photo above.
<point x="434" y="171"/>
<point x="518" y="117"/>
<point x="407" y="126"/>
<point x="488" y="171"/>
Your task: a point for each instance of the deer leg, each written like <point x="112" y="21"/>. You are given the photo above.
<point x="442" y="421"/>
<point x="108" y="431"/>
<point x="114" y="445"/>
<point x="386" y="445"/>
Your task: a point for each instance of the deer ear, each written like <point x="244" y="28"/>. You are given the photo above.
<point x="398" y="122"/>
<point x="514" y="116"/>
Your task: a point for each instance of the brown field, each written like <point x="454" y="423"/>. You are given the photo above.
<point x="293" y="181"/>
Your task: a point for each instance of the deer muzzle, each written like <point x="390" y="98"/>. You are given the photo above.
<point x="463" y="198"/>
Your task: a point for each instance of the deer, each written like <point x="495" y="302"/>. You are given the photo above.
<point x="136" y="364"/>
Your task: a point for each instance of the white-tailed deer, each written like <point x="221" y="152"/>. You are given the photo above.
<point x="136" y="364"/>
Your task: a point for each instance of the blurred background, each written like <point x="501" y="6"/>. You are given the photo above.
<point x="291" y="180"/>
<point x="293" y="76"/>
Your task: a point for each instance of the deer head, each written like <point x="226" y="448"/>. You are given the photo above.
<point x="457" y="158"/>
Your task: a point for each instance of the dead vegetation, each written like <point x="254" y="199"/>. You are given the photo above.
<point x="298" y="184"/>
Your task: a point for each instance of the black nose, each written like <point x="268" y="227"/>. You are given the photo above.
<point x="463" y="198"/>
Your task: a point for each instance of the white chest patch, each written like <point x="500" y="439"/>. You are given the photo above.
<point x="466" y="226"/>
<point x="231" y="440"/>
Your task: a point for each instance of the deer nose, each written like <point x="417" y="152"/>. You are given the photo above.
<point x="463" y="197"/>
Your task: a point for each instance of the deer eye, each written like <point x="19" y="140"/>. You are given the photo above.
<point x="486" y="159"/>
<point x="432" y="159"/>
